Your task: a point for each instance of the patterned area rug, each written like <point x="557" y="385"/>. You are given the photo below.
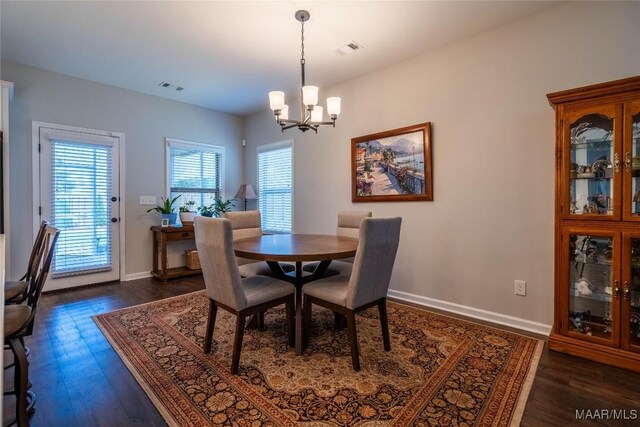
<point x="440" y="370"/>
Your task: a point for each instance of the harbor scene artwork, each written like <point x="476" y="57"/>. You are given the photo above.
<point x="393" y="165"/>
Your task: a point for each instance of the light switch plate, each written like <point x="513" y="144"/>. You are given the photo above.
<point x="148" y="200"/>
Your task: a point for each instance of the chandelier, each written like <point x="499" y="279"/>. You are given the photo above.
<point x="311" y="114"/>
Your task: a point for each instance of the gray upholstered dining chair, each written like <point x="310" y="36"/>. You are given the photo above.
<point x="247" y="224"/>
<point x="348" y="226"/>
<point x="227" y="290"/>
<point x="365" y="287"/>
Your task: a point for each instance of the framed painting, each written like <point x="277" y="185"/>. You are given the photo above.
<point x="392" y="166"/>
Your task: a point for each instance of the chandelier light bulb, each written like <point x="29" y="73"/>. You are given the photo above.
<point x="310" y="95"/>
<point x="316" y="114"/>
<point x="333" y="106"/>
<point x="284" y="112"/>
<point x="276" y="100"/>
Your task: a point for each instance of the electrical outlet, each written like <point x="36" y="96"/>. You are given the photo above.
<point x="520" y="288"/>
<point x="148" y="200"/>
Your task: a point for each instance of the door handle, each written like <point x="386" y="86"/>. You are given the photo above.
<point x="114" y="219"/>
<point x="616" y="288"/>
<point x="114" y="199"/>
<point x="626" y="292"/>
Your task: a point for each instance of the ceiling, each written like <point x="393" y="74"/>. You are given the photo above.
<point x="228" y="54"/>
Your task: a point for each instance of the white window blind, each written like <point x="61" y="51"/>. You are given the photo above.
<point x="81" y="179"/>
<point x="195" y="173"/>
<point x="275" y="179"/>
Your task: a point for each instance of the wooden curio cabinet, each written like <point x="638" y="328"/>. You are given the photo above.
<point x="597" y="227"/>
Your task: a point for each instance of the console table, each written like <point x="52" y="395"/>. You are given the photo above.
<point x="162" y="236"/>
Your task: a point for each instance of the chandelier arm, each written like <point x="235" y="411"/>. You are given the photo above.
<point x="295" y="122"/>
<point x="290" y="126"/>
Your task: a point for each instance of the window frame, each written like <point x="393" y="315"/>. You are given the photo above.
<point x="271" y="147"/>
<point x="192" y="145"/>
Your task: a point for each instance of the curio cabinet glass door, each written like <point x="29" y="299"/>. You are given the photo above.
<point x="592" y="163"/>
<point x="631" y="292"/>
<point x="592" y="285"/>
<point x="632" y="161"/>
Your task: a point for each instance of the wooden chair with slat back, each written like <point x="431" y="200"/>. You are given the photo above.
<point x="15" y="291"/>
<point x="19" y="320"/>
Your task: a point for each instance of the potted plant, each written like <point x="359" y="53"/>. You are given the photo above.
<point x="186" y="213"/>
<point x="216" y="208"/>
<point x="166" y="209"/>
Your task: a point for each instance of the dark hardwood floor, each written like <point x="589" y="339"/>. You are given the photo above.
<point x="80" y="381"/>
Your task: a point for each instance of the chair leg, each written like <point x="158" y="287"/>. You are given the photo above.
<point x="211" y="322"/>
<point x="261" y="321"/>
<point x="21" y="380"/>
<point x="339" y="321"/>
<point x="384" y="323"/>
<point x="237" y="345"/>
<point x="291" y="322"/>
<point x="306" y="321"/>
<point x="353" y="341"/>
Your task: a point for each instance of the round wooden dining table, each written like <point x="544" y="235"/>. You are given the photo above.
<point x="297" y="248"/>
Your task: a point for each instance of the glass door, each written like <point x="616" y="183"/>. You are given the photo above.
<point x="592" y="285"/>
<point x="79" y="194"/>
<point x="632" y="161"/>
<point x="631" y="292"/>
<point x="593" y="164"/>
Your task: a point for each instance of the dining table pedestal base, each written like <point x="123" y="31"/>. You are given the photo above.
<point x="298" y="279"/>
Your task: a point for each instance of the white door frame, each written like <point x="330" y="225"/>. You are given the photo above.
<point x="35" y="158"/>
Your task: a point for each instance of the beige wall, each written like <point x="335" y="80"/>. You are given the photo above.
<point x="493" y="135"/>
<point x="145" y="120"/>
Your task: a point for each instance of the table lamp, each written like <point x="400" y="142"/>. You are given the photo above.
<point x="246" y="192"/>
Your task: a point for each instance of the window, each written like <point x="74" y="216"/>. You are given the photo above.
<point x="195" y="172"/>
<point x="275" y="182"/>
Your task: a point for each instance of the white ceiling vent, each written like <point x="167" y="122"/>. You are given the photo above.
<point x="170" y="86"/>
<point x="350" y="47"/>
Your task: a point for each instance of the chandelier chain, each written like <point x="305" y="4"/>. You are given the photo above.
<point x="302" y="41"/>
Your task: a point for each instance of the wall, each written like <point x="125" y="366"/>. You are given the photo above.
<point x="493" y="136"/>
<point x="145" y="120"/>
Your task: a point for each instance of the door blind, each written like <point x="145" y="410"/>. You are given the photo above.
<point x="81" y="206"/>
<point x="274" y="183"/>
<point x="195" y="175"/>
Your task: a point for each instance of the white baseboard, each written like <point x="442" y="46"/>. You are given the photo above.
<point x="136" y="276"/>
<point x="476" y="313"/>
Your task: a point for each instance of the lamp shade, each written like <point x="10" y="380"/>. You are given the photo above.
<point x="316" y="114"/>
<point x="333" y="105"/>
<point x="309" y="95"/>
<point x="276" y="100"/>
<point x="246" y="192"/>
